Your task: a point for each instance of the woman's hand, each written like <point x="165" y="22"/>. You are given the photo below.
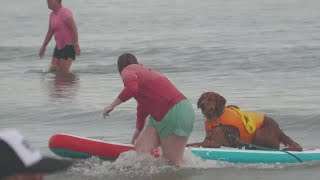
<point x="107" y="110"/>
<point x="42" y="52"/>
<point x="135" y="136"/>
<point x="77" y="49"/>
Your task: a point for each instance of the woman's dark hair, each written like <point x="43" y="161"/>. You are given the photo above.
<point x="125" y="60"/>
<point x="60" y="1"/>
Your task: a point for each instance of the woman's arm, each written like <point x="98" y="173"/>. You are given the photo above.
<point x="109" y="108"/>
<point x="141" y="117"/>
<point x="46" y="42"/>
<point x="116" y="103"/>
<point x="72" y="25"/>
<point x="48" y="38"/>
<point x="130" y="89"/>
<point x="127" y="93"/>
<point x="135" y="136"/>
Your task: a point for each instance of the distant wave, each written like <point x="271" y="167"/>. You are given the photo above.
<point x="110" y="69"/>
<point x="12" y="53"/>
<point x="90" y="69"/>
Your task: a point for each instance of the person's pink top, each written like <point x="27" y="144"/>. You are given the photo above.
<point x="62" y="34"/>
<point x="154" y="93"/>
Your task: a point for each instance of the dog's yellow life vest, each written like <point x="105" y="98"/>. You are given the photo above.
<point x="246" y="122"/>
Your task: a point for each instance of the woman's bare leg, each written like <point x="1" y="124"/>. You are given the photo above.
<point x="64" y="65"/>
<point x="173" y="148"/>
<point x="147" y="141"/>
<point x="54" y="67"/>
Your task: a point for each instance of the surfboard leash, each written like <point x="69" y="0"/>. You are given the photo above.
<point x="271" y="149"/>
<point x="237" y="140"/>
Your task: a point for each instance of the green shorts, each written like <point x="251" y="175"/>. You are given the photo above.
<point x="179" y="120"/>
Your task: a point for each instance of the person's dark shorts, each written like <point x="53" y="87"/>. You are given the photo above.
<point x="65" y="53"/>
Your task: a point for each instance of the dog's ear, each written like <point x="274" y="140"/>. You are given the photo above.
<point x="200" y="100"/>
<point x="220" y="103"/>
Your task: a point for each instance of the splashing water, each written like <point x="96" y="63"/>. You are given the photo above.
<point x="131" y="165"/>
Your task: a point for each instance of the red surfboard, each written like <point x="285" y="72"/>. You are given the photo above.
<point x="78" y="147"/>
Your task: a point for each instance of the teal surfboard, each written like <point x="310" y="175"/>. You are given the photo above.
<point x="70" y="146"/>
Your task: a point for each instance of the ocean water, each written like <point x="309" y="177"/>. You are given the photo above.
<point x="260" y="55"/>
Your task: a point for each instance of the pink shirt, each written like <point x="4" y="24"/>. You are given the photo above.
<point x="154" y="93"/>
<point x="62" y="34"/>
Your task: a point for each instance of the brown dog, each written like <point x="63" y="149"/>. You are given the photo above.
<point x="268" y="134"/>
